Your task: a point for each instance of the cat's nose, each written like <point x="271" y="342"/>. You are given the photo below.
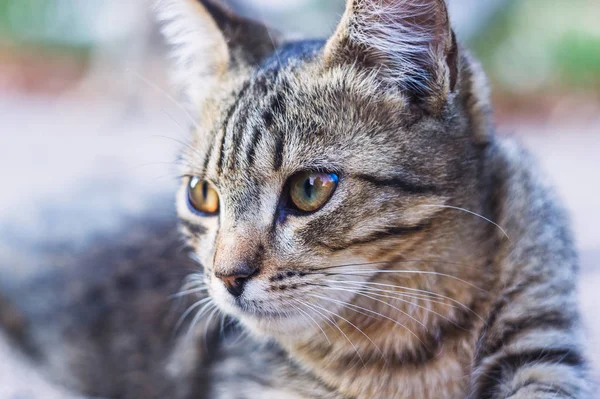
<point x="236" y="279"/>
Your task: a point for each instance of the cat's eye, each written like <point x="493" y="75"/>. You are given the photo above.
<point x="309" y="191"/>
<point x="202" y="196"/>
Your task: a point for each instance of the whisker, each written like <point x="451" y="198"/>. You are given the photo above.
<point x="187" y="292"/>
<point x="207" y="324"/>
<point x="420" y="294"/>
<point x="357" y="292"/>
<point x="422" y="297"/>
<point x="190" y="310"/>
<point x="270" y="36"/>
<point x="310" y="306"/>
<point x="222" y="326"/>
<point x="347" y="265"/>
<point x="358" y="329"/>
<point x="369" y="310"/>
<point x="469" y="212"/>
<point x="167" y="95"/>
<point x="311" y="319"/>
<point x="412" y="289"/>
<point x="176" y="162"/>
<point x="434" y="261"/>
<point x="363" y="272"/>
<point x="418" y="306"/>
<point x="186" y="145"/>
<point x="175" y="121"/>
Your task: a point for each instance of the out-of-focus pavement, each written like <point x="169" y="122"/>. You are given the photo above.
<point x="50" y="149"/>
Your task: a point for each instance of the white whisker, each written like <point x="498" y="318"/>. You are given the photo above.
<point x="332" y="321"/>
<point x="469" y="212"/>
<point x="207" y="324"/>
<point x="373" y="271"/>
<point x="167" y="95"/>
<point x="411" y="289"/>
<point x="416" y="305"/>
<point x="188" y="292"/>
<point x="357" y="292"/>
<point x="422" y="297"/>
<point x="311" y="319"/>
<point x="190" y="310"/>
<point x="358" y="329"/>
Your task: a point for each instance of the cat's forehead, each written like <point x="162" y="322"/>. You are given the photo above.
<point x="295" y="113"/>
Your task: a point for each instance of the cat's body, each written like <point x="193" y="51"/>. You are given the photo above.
<point x="438" y="266"/>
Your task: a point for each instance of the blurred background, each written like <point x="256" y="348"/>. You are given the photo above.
<point x="87" y="128"/>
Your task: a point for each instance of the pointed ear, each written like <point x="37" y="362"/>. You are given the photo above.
<point x="207" y="40"/>
<point x="408" y="43"/>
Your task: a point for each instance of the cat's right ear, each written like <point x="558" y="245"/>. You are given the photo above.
<point x="408" y="44"/>
<point x="207" y="40"/>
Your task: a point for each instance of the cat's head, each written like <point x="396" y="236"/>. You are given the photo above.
<point x="315" y="166"/>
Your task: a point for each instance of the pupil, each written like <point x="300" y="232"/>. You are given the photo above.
<point x="308" y="188"/>
<point x="204" y="190"/>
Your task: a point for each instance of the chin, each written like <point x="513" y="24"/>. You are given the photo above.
<point x="266" y="324"/>
<point x="281" y="327"/>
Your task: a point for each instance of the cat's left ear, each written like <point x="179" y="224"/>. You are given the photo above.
<point x="208" y="40"/>
<point x="407" y="43"/>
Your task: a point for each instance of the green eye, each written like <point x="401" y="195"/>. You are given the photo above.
<point x="202" y="197"/>
<point x="309" y="191"/>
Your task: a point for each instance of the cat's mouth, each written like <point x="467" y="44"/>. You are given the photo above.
<point x="249" y="305"/>
<point x="272" y="322"/>
<point x="250" y="308"/>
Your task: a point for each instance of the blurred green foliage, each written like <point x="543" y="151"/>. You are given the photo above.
<point x="530" y="45"/>
<point x="51" y="25"/>
<point x="577" y="56"/>
<point x="540" y="45"/>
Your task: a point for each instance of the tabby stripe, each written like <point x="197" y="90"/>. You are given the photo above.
<point x="241" y="128"/>
<point x="379" y="235"/>
<point x="506" y="365"/>
<point x="207" y="159"/>
<point x="193" y="229"/>
<point x="278" y="106"/>
<point x="278" y="152"/>
<point x="237" y="135"/>
<point x="399" y="184"/>
<point x="251" y="151"/>
<point x="267" y="117"/>
<point x="228" y="117"/>
<point x="511" y="330"/>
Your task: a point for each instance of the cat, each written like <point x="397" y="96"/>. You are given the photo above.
<point x="350" y="215"/>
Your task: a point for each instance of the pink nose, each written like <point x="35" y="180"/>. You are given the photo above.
<point x="236" y="279"/>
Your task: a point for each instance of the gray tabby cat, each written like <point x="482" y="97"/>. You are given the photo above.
<point x="351" y="211"/>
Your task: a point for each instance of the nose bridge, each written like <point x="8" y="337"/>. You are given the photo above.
<point x="235" y="250"/>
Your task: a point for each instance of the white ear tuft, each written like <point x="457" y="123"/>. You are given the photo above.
<point x="199" y="49"/>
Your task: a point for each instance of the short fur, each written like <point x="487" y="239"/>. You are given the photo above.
<point x="442" y="266"/>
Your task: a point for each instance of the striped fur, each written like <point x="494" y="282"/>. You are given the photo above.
<point x="394" y="106"/>
<point x="442" y="266"/>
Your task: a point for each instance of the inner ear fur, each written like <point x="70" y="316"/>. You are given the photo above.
<point x="207" y="40"/>
<point x="249" y="41"/>
<point x="408" y="43"/>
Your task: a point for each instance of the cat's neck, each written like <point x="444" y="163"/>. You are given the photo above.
<point x="387" y="333"/>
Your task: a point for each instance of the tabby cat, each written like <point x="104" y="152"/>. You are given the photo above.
<point x="348" y="207"/>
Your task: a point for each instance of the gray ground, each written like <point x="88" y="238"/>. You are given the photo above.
<point x="57" y="153"/>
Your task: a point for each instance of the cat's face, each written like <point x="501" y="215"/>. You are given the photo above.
<point x="307" y="176"/>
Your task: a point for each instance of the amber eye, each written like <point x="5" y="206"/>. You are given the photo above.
<point x="203" y="197"/>
<point x="309" y="191"/>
